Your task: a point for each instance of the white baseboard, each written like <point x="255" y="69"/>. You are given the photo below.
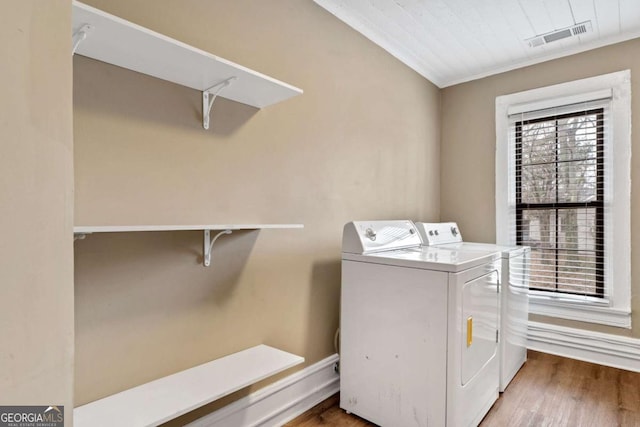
<point x="281" y="401"/>
<point x="595" y="347"/>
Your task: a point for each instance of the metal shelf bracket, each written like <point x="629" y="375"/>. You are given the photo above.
<point x="210" y="95"/>
<point x="208" y="244"/>
<point x="79" y="236"/>
<point x="79" y="36"/>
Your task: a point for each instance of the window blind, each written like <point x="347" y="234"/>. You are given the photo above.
<point x="560" y="194"/>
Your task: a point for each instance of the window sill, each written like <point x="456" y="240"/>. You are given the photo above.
<point x="589" y="310"/>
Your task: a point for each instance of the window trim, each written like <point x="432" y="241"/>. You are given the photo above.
<point x="616" y="310"/>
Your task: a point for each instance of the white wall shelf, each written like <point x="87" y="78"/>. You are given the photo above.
<point x="108" y="38"/>
<point x="164" y="399"/>
<point x="88" y="229"/>
<point x="80" y="232"/>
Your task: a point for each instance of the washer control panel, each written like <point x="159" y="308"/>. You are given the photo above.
<point x="438" y="233"/>
<point x="364" y="237"/>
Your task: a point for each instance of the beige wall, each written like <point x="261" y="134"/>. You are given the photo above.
<point x="362" y="142"/>
<point x="468" y="147"/>
<point x="36" y="204"/>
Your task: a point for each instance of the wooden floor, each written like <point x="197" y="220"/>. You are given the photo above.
<point x="548" y="391"/>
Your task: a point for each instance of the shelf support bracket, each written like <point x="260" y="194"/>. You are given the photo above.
<point x="79" y="36"/>
<point x="79" y="236"/>
<point x="210" y="95"/>
<point x="208" y="244"/>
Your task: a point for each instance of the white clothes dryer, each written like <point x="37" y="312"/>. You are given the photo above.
<point x="418" y="328"/>
<point x="514" y="291"/>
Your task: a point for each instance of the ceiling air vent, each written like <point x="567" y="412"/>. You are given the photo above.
<point x="575" y="30"/>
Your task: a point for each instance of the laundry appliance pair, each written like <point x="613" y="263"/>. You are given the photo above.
<point x="432" y="328"/>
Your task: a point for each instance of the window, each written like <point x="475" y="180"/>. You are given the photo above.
<point x="560" y="200"/>
<point x="563" y="188"/>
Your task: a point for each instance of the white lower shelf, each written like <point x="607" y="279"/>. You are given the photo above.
<point x="161" y="400"/>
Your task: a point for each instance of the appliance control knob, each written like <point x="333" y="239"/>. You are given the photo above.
<point x="370" y="234"/>
<point x="412" y="231"/>
<point x="454" y="231"/>
<point x="430" y="232"/>
<point x="436" y="232"/>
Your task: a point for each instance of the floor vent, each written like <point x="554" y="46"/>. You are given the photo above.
<point x="575" y="30"/>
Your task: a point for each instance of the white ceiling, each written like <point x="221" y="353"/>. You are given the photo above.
<point x="453" y="41"/>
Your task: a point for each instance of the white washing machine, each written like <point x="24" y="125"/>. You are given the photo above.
<point x="418" y="328"/>
<point x="514" y="299"/>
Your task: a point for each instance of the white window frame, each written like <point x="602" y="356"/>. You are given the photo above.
<point x="615" y="310"/>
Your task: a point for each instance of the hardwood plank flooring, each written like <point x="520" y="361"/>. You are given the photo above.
<point x="548" y="391"/>
<point x="328" y="413"/>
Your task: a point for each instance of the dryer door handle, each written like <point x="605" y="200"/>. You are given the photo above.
<point x="469" y="331"/>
